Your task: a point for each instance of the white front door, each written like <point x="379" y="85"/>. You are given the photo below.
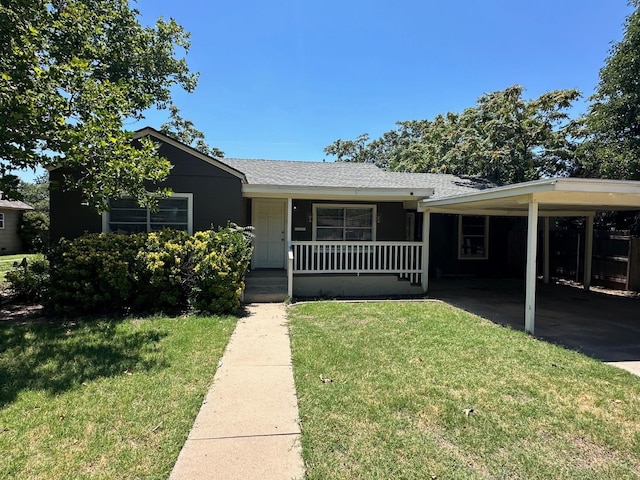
<point x="269" y="243"/>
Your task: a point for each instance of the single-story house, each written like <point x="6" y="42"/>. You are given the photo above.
<point x="351" y="228"/>
<point x="10" y="214"/>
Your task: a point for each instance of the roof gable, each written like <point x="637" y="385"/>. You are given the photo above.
<point x="149" y="131"/>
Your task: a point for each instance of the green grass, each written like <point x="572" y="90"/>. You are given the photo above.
<point x="103" y="398"/>
<point x="6" y="262"/>
<point x="404" y="374"/>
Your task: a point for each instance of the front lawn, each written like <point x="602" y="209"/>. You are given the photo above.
<point x="425" y="390"/>
<point x="103" y="398"/>
<point x="7" y="261"/>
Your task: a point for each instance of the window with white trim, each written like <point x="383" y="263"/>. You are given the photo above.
<point x="473" y="237"/>
<point x="126" y="216"/>
<point x="344" y="222"/>
<point x="1" y="221"/>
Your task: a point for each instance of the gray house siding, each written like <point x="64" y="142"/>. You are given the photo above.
<point x="69" y="218"/>
<point x="217" y="194"/>
<point x="444" y="259"/>
<point x="217" y="197"/>
<point x="9" y="239"/>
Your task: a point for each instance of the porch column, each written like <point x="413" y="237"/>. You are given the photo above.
<point x="287" y="233"/>
<point x="532" y="245"/>
<point x="288" y="254"/>
<point x="426" y="231"/>
<point x="588" y="253"/>
<point x="546" y="250"/>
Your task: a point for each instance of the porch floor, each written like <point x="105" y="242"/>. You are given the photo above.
<point x="265" y="286"/>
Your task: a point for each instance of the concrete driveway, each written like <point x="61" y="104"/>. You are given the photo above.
<point x="603" y="326"/>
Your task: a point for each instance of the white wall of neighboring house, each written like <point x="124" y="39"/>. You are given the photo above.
<point x="9" y="239"/>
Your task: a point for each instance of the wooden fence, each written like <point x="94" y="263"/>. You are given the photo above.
<point x="616" y="258"/>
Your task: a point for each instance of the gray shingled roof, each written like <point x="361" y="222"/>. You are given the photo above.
<point x="345" y="174"/>
<point x="14" y="204"/>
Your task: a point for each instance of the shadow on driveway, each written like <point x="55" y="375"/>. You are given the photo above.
<point x="601" y="325"/>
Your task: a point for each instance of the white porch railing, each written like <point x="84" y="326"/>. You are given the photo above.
<point x="401" y="258"/>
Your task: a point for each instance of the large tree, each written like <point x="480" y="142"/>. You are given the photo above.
<point x="71" y="72"/>
<point x="185" y="131"/>
<point x="611" y="147"/>
<point x="36" y="193"/>
<point x="504" y="138"/>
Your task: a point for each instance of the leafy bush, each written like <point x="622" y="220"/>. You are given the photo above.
<point x="94" y="273"/>
<point x="162" y="269"/>
<point x="166" y="271"/>
<point x="222" y="260"/>
<point x="31" y="280"/>
<point x="34" y="231"/>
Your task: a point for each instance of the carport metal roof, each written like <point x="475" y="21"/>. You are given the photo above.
<point x="558" y="197"/>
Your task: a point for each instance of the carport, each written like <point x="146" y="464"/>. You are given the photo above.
<point x="558" y="197"/>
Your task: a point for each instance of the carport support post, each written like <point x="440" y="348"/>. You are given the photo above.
<point x="588" y="253"/>
<point x="532" y="247"/>
<point x="426" y="231"/>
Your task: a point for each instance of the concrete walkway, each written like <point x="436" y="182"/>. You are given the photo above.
<point x="248" y="426"/>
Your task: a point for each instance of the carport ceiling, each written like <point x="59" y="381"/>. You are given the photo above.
<point x="560" y="197"/>
<point x="555" y="197"/>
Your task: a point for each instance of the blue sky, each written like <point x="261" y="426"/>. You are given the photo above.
<point x="283" y="79"/>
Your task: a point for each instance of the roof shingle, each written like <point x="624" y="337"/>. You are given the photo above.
<point x="14" y="204"/>
<point x="345" y="174"/>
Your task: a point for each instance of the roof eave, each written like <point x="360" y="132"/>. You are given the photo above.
<point x="336" y="193"/>
<point x="16" y="207"/>
<point x="553" y="195"/>
<point x="538" y="186"/>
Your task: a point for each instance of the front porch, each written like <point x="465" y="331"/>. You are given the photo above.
<point x="340" y="269"/>
<point x="354" y="269"/>
<point x="265" y="286"/>
<point x="340" y="247"/>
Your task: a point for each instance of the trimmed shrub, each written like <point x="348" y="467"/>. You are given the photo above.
<point x="222" y="260"/>
<point x="166" y="271"/>
<point x="162" y="271"/>
<point x="29" y="282"/>
<point x="94" y="273"/>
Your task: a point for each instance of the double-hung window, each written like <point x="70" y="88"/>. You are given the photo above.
<point x="473" y="237"/>
<point x="1" y="221"/>
<point x="344" y="222"/>
<point x="126" y="216"/>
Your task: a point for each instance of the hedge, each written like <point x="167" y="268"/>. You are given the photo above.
<point x="168" y="271"/>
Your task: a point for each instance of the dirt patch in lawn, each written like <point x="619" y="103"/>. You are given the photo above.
<point x="12" y="311"/>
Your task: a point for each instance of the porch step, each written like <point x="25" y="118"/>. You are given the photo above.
<point x="265" y="286"/>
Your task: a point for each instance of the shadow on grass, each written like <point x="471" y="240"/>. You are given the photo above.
<point x="599" y="324"/>
<point x="58" y="357"/>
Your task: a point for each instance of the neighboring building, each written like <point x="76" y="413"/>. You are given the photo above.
<point x="10" y="214"/>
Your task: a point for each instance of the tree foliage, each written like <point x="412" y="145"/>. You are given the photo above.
<point x="503" y="138"/>
<point x="36" y="193"/>
<point x="34" y="231"/>
<point x="71" y="71"/>
<point x="611" y="127"/>
<point x="185" y="131"/>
